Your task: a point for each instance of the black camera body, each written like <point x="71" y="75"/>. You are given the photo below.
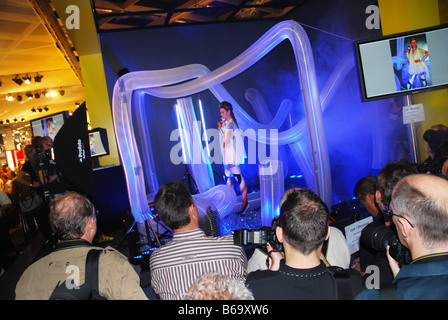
<point x="430" y="167"/>
<point x="44" y="159"/>
<point x="258" y="237"/>
<point x="378" y="236"/>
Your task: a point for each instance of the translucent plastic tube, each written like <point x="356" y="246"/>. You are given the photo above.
<point x="272" y="187"/>
<point x="223" y="198"/>
<point x="201" y="172"/>
<point x="172" y="83"/>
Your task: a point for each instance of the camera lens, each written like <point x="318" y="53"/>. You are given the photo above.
<point x="377" y="236"/>
<point x="382" y="237"/>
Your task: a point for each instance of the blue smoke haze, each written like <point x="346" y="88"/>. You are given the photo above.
<point x="350" y="124"/>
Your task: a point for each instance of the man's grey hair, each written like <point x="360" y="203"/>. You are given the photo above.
<point x="429" y="214"/>
<point x="215" y="286"/>
<point x="69" y="215"/>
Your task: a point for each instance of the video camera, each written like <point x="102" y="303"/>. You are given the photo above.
<point x="378" y="236"/>
<point x="259" y="237"/>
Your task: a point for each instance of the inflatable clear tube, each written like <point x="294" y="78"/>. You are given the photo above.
<point x="201" y="172"/>
<point x="165" y="84"/>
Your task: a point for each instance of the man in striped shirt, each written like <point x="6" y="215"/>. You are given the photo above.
<point x="191" y="254"/>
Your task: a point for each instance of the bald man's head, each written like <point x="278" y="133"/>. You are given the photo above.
<point x="424" y="199"/>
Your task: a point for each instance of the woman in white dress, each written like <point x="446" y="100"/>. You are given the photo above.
<point x="417" y="64"/>
<point x="233" y="153"/>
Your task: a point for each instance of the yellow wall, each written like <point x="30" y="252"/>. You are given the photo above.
<point x="85" y="40"/>
<point x="407" y="15"/>
<point x="396" y="16"/>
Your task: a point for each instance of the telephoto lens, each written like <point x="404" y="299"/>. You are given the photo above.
<point x="377" y="236"/>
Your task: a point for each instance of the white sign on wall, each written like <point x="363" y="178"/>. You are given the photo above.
<point x="413" y="113"/>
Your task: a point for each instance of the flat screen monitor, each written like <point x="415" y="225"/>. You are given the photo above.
<point x="404" y="63"/>
<point x="49" y="125"/>
<point x="99" y="145"/>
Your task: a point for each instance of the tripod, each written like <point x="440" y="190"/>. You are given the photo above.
<point x="148" y="226"/>
<point x="190" y="181"/>
<point x="45" y="179"/>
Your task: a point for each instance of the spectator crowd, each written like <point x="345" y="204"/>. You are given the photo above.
<point x="408" y="203"/>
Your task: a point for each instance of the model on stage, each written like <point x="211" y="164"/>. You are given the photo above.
<point x="232" y="149"/>
<point x="417" y="64"/>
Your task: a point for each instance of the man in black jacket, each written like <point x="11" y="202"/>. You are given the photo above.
<point x="303" y="228"/>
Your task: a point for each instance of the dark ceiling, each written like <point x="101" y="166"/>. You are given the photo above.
<point x="136" y="14"/>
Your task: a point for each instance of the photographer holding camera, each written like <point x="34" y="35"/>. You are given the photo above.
<point x="51" y="182"/>
<point x="191" y="253"/>
<point x="441" y="158"/>
<point x="73" y="218"/>
<point x="335" y="251"/>
<point x="365" y="190"/>
<point x="419" y="210"/>
<point x="434" y="137"/>
<point x="302" y="275"/>
<point x="381" y="232"/>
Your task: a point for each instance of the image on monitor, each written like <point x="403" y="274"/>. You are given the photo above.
<point x="411" y="62"/>
<point x="49" y="125"/>
<point x="404" y="63"/>
<point x="98" y="142"/>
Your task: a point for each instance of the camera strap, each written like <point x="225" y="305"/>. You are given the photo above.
<point x="92" y="270"/>
<point x="342" y="282"/>
<point x="269" y="256"/>
<point x="89" y="289"/>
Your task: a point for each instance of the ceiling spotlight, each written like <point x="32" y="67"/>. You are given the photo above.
<point x="19" y="98"/>
<point x="61" y="92"/>
<point x="33" y="110"/>
<point x="23" y="119"/>
<point x="1" y="121"/>
<point x="27" y="79"/>
<point x="37" y="95"/>
<point x="7" y="120"/>
<point x="38" y="78"/>
<point x="46" y="108"/>
<point x="46" y="94"/>
<point x="39" y="109"/>
<point x="18" y="80"/>
<point x="29" y="95"/>
<point x="52" y="93"/>
<point x="15" y="120"/>
<point x="10" y="97"/>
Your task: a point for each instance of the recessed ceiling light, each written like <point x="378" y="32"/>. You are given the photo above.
<point x="27" y="79"/>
